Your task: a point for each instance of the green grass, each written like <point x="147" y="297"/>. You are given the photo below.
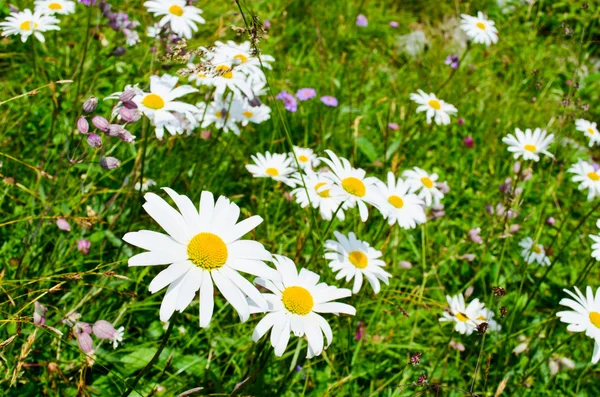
<point x="49" y="172"/>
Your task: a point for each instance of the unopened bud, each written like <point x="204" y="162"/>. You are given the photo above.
<point x="119" y="51"/>
<point x="83" y="126"/>
<point x="205" y="134"/>
<point x="101" y="123"/>
<point x="550" y="221"/>
<point x="514" y="228"/>
<point x="109" y="163"/>
<point x="126" y="136"/>
<point x="94" y="141"/>
<point x="127" y="95"/>
<point x="405" y="265"/>
<point x="129" y="115"/>
<point x="90" y="105"/>
<point x="104" y="330"/>
<point x="130" y="105"/>
<point x="39" y="313"/>
<point x="114" y="130"/>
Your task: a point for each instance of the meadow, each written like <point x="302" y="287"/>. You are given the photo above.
<point x="299" y="198"/>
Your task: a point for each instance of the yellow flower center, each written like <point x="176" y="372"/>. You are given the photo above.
<point x="176" y="10"/>
<point x="247" y="114"/>
<point x="27" y="25"/>
<point x="480" y="25"/>
<point x="537" y="249"/>
<point x="272" y="171"/>
<point x="595" y="319"/>
<point x="593" y="176"/>
<point x="243" y="58"/>
<point x="354" y="186"/>
<point x="218" y="114"/>
<point x="324" y="193"/>
<point x="591" y="131"/>
<point x="201" y="75"/>
<point x="207" y="250"/>
<point x="297" y="300"/>
<point x="427" y="182"/>
<point x="481" y="318"/>
<point x="461" y="317"/>
<point x="435" y="104"/>
<point x="153" y="101"/>
<point x="225" y="71"/>
<point x="396" y="201"/>
<point x="303" y="158"/>
<point x="54" y="6"/>
<point x="530" y="148"/>
<point x="358" y="259"/>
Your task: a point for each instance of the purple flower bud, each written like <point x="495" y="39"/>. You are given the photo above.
<point x="469" y="291"/>
<point x="527" y="174"/>
<point x="517" y="167"/>
<point x="362" y="21"/>
<point x="90" y="105"/>
<point x="405" y="265"/>
<point x="267" y="24"/>
<point x="394" y="24"/>
<point x="474" y="235"/>
<point x="550" y="221"/>
<point x="83" y="126"/>
<point x="205" y="134"/>
<point x="109" y="163"/>
<point x="101" y="123"/>
<point x="126" y="136"/>
<point x="85" y="342"/>
<point x="443" y="187"/>
<point x="83" y="246"/>
<point x="104" y="330"/>
<point x="63" y="224"/>
<point x="514" y="228"/>
<point x="489" y="209"/>
<point x="130" y="105"/>
<point x="360" y="331"/>
<point x="460" y="121"/>
<point x="129" y="115"/>
<point x="127" y="95"/>
<point x="94" y="141"/>
<point x="39" y="313"/>
<point x="114" y="130"/>
<point x="393" y="126"/>
<point x="468" y="141"/>
<point x="119" y="51"/>
<point x="84" y="328"/>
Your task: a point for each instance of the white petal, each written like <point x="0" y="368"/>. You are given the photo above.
<point x="168" y="275"/>
<point x="232" y="293"/>
<point x="207" y="301"/>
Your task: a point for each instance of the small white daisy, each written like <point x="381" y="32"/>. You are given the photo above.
<point x="465" y="317"/>
<point x="240" y="55"/>
<point x="294" y="306"/>
<point x="584" y="316"/>
<point x="423" y="184"/>
<point x="398" y="205"/>
<point x="479" y="29"/>
<point x="49" y="7"/>
<point x="203" y="246"/>
<point x="253" y="114"/>
<point x="276" y="166"/>
<point x="318" y="194"/>
<point x="434" y="107"/>
<point x="529" y="144"/>
<point x="27" y="23"/>
<point x="596" y="244"/>
<point x="181" y="18"/>
<point x="589" y="129"/>
<point x="352" y="259"/>
<point x="145" y="184"/>
<point x="587" y="177"/>
<point x="222" y="112"/>
<point x="533" y="252"/>
<point x="306" y="158"/>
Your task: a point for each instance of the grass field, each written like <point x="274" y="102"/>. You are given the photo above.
<point x="74" y="198"/>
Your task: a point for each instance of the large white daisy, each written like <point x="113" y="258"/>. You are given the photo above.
<point x="399" y="205"/>
<point x="423" y="183"/>
<point x="587" y="177"/>
<point x="584" y="316"/>
<point x="294" y="306"/>
<point x="529" y="144"/>
<point x="202" y="247"/>
<point x="533" y="252"/>
<point x="352" y="259"/>
<point x="27" y="23"/>
<point x="49" y="7"/>
<point x="306" y="158"/>
<point x="479" y="29"/>
<point x="589" y="129"/>
<point x="182" y="18"/>
<point x="434" y="107"/>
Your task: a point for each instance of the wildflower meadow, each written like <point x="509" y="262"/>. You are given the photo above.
<point x="299" y="198"/>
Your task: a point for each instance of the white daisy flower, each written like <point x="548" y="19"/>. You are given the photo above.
<point x="253" y="114"/>
<point x="306" y="158"/>
<point x="529" y="144"/>
<point x="434" y="107"/>
<point x="240" y="55"/>
<point x="294" y="306"/>
<point x="533" y="252"/>
<point x="587" y="177"/>
<point x="201" y="247"/>
<point x="423" y="184"/>
<point x="49" y="7"/>
<point x="350" y="184"/>
<point x="227" y="76"/>
<point x="222" y="112"/>
<point x="465" y="317"/>
<point x="276" y="166"/>
<point x="27" y="23"/>
<point x="399" y="205"/>
<point x="589" y="129"/>
<point x="145" y="184"/>
<point x="479" y="29"/>
<point x="596" y="244"/>
<point x="181" y="18"/>
<point x="318" y="194"/>
<point x="585" y="316"/>
<point x="159" y="104"/>
<point x="351" y="259"/>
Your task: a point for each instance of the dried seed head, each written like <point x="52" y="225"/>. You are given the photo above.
<point x="415" y="359"/>
<point x="498" y="291"/>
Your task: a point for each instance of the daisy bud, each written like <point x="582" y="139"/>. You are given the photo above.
<point x="85" y="342"/>
<point x="457" y="346"/>
<point x="130" y="105"/>
<point x="90" y="105"/>
<point x="469" y="291"/>
<point x="514" y="228"/>
<point x="114" y="130"/>
<point x="104" y="330"/>
<point x="83" y="126"/>
<point x="550" y="221"/>
<point x="109" y="163"/>
<point x="469" y="143"/>
<point x="405" y="265"/>
<point x="39" y="313"/>
<point x="101" y="123"/>
<point x="127" y="95"/>
<point x="94" y="141"/>
<point x="83" y="246"/>
<point x="62" y="224"/>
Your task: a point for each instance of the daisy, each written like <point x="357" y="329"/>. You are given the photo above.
<point x="424" y="185"/>
<point x="465" y="317"/>
<point x="159" y="104"/>
<point x="596" y="245"/>
<point x="399" y="205"/>
<point x="202" y="247"/>
<point x="350" y="184"/>
<point x="240" y="55"/>
<point x="145" y="184"/>
<point x="352" y="259"/>
<point x="434" y="107"/>
<point x="587" y="177"/>
<point x="318" y="195"/>
<point x="294" y="306"/>
<point x="479" y="29"/>
<point x="27" y="23"/>
<point x="224" y="113"/>
<point x="50" y="7"/>
<point x="529" y="144"/>
<point x="533" y="252"/>
<point x="181" y="18"/>
<point x="276" y="166"/>
<point x="589" y="129"/>
<point x="253" y="114"/>
<point x="306" y="158"/>
<point x="585" y="316"/>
